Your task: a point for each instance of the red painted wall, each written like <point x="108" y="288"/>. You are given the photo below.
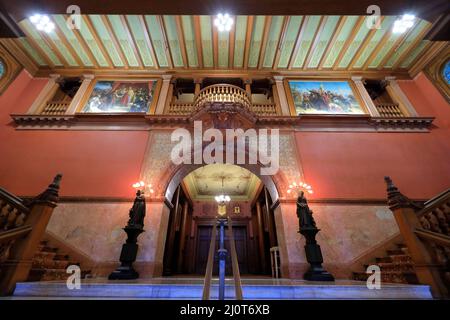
<point x="102" y="163"/>
<point x="352" y="165"/>
<point x="337" y="165"/>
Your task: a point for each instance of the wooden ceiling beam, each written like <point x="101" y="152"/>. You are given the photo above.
<point x="148" y="41"/>
<point x="215" y="44"/>
<point x="132" y="41"/>
<point x="377" y="49"/>
<point x="84" y="45"/>
<point x="38" y="48"/>
<point x="411" y="47"/>
<point x="231" y="44"/>
<point x="116" y="43"/>
<point x="280" y="43"/>
<point x="398" y="43"/>
<point x="298" y="41"/>
<point x="16" y="50"/>
<point x="166" y="42"/>
<point x="88" y="23"/>
<point x="182" y="41"/>
<point x="54" y="48"/>
<point x="198" y="40"/>
<point x="312" y="47"/>
<point x="349" y="40"/>
<point x="262" y="51"/>
<point x="66" y="43"/>
<point x="248" y="39"/>
<point x="364" y="45"/>
<point x="337" y="30"/>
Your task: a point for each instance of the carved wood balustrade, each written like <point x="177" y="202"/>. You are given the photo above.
<point x="426" y="232"/>
<point x="222" y="93"/>
<point x="56" y="107"/>
<point x="22" y="226"/>
<point x="389" y="110"/>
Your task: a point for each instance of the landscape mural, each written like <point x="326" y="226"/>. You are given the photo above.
<point x="329" y="97"/>
<point x="120" y="96"/>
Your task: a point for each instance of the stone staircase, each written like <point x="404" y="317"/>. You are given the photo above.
<point x="51" y="264"/>
<point x="396" y="267"/>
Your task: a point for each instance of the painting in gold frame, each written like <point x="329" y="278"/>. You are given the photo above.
<point x="324" y="97"/>
<point x="121" y="96"/>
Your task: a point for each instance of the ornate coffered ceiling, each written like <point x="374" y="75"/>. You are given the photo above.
<point x="191" y="42"/>
<point x="206" y="182"/>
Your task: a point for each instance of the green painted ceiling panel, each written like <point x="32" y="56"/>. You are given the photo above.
<point x="356" y="43"/>
<point x="62" y="49"/>
<point x="239" y="41"/>
<point x="340" y="41"/>
<point x="388" y="45"/>
<point x="106" y="39"/>
<point x="154" y="29"/>
<point x="139" y="36"/>
<point x="207" y="43"/>
<point x="306" y="40"/>
<point x="325" y="36"/>
<point x="289" y="40"/>
<point x="174" y="42"/>
<point x="41" y="42"/>
<point x="123" y="39"/>
<point x="414" y="54"/>
<point x="255" y="43"/>
<point x="272" y="40"/>
<point x="407" y="43"/>
<point x="72" y="39"/>
<point x="189" y="39"/>
<point x="223" y="48"/>
<point x="32" y="52"/>
<point x="92" y="44"/>
<point x="386" y="25"/>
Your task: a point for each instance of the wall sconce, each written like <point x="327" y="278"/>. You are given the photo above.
<point x="140" y="186"/>
<point x="222" y="201"/>
<point x="301" y="186"/>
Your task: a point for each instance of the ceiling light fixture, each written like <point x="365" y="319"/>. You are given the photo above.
<point x="404" y="23"/>
<point x="223" y="22"/>
<point x="42" y="22"/>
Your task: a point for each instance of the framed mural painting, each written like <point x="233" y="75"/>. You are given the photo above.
<point x="324" y="97"/>
<point x="121" y="96"/>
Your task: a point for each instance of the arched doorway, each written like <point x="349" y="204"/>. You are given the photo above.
<point x="193" y="212"/>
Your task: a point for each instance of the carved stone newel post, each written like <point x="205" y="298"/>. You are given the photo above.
<point x="313" y="252"/>
<point x="130" y="248"/>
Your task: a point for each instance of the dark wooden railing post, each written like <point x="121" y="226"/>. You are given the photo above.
<point x="17" y="267"/>
<point x="404" y="211"/>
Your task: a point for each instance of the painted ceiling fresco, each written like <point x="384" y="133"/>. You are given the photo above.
<point x="255" y="42"/>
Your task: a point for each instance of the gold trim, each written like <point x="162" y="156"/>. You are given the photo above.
<point x="91" y="87"/>
<point x="11" y="69"/>
<point x="353" y="87"/>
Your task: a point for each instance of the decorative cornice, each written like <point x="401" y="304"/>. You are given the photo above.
<point x="140" y="122"/>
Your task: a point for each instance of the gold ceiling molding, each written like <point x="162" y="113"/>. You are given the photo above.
<point x="434" y="71"/>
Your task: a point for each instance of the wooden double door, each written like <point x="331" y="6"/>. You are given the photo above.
<point x="202" y="248"/>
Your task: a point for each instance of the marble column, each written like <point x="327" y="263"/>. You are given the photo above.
<point x="162" y="99"/>
<point x="282" y="96"/>
<point x="399" y="97"/>
<point x="45" y="95"/>
<point x="75" y="103"/>
<point x="358" y="81"/>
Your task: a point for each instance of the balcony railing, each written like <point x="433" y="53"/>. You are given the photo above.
<point x="56" y="107"/>
<point x="222" y="93"/>
<point x="181" y="109"/>
<point x="389" y="110"/>
<point x="263" y="109"/>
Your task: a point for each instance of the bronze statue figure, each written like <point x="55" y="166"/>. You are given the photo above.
<point x="137" y="212"/>
<point x="304" y="213"/>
